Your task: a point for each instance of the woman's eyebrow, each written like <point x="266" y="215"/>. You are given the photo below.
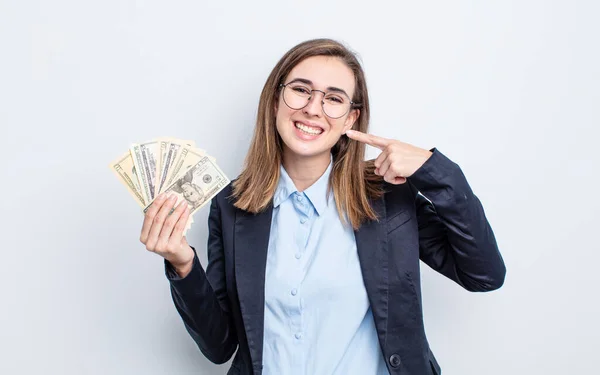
<point x="309" y="82"/>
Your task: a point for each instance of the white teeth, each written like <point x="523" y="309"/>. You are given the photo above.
<point x="308" y="129"/>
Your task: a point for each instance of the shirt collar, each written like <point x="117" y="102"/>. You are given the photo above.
<point x="316" y="193"/>
<point x="285" y="187"/>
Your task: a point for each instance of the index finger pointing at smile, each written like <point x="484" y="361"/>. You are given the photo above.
<point x="369" y="139"/>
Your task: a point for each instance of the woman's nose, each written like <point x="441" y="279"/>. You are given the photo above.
<point x="315" y="104"/>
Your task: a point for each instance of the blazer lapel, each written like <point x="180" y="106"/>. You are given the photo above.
<point x="371" y="244"/>
<point x="250" y="253"/>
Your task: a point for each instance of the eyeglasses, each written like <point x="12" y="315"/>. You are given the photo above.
<point x="297" y="95"/>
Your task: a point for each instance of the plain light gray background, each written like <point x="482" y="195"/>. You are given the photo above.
<point x="507" y="89"/>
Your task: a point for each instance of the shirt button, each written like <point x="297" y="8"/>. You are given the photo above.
<point x="299" y="198"/>
<point x="298" y="255"/>
<point x="298" y="335"/>
<point x="294" y="291"/>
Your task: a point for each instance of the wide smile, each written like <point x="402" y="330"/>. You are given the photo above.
<point x="307" y="131"/>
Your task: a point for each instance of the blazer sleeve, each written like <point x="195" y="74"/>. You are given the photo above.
<point x="201" y="297"/>
<point x="455" y="237"/>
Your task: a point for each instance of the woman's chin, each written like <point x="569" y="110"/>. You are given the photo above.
<point x="304" y="150"/>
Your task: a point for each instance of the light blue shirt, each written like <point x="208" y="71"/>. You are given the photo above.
<point x="317" y="314"/>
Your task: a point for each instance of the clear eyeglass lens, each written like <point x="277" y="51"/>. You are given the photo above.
<point x="297" y="96"/>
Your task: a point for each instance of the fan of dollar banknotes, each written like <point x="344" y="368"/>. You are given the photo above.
<point x="173" y="166"/>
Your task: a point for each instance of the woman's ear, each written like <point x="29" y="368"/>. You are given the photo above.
<point x="351" y="119"/>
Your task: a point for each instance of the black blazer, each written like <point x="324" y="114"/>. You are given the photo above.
<point x="223" y="308"/>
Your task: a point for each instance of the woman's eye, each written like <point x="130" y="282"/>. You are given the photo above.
<point x="301" y="89"/>
<point x="335" y="99"/>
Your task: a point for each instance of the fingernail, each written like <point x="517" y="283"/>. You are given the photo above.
<point x="161" y="196"/>
<point x="173" y="197"/>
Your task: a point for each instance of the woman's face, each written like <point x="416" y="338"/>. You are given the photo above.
<point x="309" y="131"/>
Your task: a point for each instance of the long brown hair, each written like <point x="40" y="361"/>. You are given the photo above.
<point x="352" y="179"/>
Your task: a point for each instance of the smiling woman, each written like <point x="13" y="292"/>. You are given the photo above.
<point x="313" y="252"/>
<point x="314" y="95"/>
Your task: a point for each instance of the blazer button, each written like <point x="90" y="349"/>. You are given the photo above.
<point x="395" y="360"/>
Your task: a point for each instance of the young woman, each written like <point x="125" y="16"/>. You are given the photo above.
<point x="313" y="253"/>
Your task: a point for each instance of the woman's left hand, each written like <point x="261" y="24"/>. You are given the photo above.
<point x="397" y="161"/>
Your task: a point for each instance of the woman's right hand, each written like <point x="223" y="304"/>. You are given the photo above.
<point x="162" y="232"/>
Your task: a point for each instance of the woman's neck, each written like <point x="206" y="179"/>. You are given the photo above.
<point x="305" y="171"/>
